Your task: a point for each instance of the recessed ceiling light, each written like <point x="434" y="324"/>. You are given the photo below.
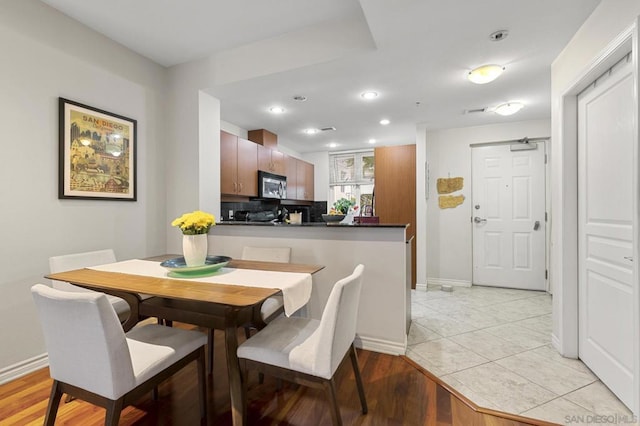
<point x="485" y="74"/>
<point x="369" y="95"/>
<point x="311" y="131"/>
<point x="276" y="110"/>
<point x="372" y="141"/>
<point x="332" y="145"/>
<point x="384" y="122"/>
<point x="508" y="108"/>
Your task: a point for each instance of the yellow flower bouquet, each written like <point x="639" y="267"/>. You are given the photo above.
<point x="195" y="223"/>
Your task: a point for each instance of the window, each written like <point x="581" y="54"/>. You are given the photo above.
<point x="352" y="177"/>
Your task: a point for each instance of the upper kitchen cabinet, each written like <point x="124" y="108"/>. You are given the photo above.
<point x="270" y="160"/>
<point x="304" y="181"/>
<point x="238" y="166"/>
<point x="291" y="167"/>
<point x="263" y="137"/>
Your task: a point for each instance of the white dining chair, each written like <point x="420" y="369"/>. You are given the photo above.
<point x="272" y="306"/>
<point x="92" y="359"/>
<point x="309" y="351"/>
<point x="72" y="261"/>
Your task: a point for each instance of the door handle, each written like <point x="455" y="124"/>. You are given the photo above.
<point x="479" y="220"/>
<point x="536" y="225"/>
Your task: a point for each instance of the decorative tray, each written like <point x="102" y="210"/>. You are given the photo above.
<point x="178" y="267"/>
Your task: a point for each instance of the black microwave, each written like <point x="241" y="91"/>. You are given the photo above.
<point x="271" y="185"/>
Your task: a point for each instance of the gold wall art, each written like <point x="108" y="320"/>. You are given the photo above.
<point x="449" y="185"/>
<point x="450" y="201"/>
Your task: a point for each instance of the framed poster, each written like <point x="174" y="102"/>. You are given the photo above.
<point x="97" y="158"/>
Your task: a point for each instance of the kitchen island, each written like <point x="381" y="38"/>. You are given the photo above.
<point x="384" y="313"/>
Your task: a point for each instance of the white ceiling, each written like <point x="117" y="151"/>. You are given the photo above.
<point x="414" y="53"/>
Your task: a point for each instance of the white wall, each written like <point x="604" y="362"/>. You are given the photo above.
<point x="588" y="45"/>
<point x="45" y="56"/>
<point x="448" y="231"/>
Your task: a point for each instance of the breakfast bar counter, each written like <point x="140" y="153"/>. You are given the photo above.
<point x="384" y="313"/>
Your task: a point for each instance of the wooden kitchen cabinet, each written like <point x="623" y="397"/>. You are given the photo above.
<point x="395" y="192"/>
<point x="291" y="167"/>
<point x="238" y="166"/>
<point x="263" y="137"/>
<point x="270" y="160"/>
<point x="304" y="181"/>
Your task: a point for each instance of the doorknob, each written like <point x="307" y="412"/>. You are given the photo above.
<point x="479" y="220"/>
<point x="536" y="225"/>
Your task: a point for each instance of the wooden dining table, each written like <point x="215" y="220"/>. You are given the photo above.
<point x="217" y="306"/>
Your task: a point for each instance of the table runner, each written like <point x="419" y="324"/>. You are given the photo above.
<point x="295" y="286"/>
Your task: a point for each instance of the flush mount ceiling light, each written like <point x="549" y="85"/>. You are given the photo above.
<point x="311" y="131"/>
<point x="384" y="122"/>
<point x="372" y="141"/>
<point x="333" y="145"/>
<point x="485" y="74"/>
<point x="276" y="110"/>
<point x="369" y="95"/>
<point x="508" y="108"/>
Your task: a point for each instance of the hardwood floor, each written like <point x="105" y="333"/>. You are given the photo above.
<point x="398" y="392"/>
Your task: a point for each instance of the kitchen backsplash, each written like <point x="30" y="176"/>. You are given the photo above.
<point x="311" y="212"/>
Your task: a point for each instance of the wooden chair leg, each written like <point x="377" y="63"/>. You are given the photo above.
<point x="202" y="386"/>
<point x="54" y="402"/>
<point x="210" y="339"/>
<point x="114" y="408"/>
<point x="356" y="371"/>
<point x="330" y="387"/>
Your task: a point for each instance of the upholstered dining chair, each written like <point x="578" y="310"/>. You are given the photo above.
<point x="272" y="306"/>
<point x="91" y="357"/>
<point x="69" y="262"/>
<point x="309" y="351"/>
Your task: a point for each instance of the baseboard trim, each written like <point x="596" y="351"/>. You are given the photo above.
<point x="23" y="368"/>
<point x="379" y="345"/>
<point x="421" y="287"/>
<point x="444" y="281"/>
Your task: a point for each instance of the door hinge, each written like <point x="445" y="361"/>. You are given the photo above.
<point x="546" y="274"/>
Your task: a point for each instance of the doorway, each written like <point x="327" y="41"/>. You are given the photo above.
<point x="508" y="215"/>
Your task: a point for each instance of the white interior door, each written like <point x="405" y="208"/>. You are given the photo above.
<point x="605" y="230"/>
<point x="509" y="215"/>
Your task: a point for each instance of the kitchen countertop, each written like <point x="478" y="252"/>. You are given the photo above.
<point x="316" y="224"/>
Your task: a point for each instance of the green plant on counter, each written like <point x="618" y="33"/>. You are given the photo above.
<point x="342" y="205"/>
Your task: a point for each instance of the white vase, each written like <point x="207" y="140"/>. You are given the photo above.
<point x="194" y="248"/>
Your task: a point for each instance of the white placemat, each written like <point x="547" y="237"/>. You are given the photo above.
<point x="295" y="286"/>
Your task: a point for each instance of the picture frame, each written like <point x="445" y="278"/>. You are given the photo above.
<point x="97" y="157"/>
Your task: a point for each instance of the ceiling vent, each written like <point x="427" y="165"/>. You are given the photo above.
<point x="328" y="129"/>
<point x="475" y="110"/>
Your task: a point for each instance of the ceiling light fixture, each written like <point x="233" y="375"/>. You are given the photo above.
<point x="369" y="95"/>
<point x="311" y="131"/>
<point x="384" y="122"/>
<point x="276" y="110"/>
<point x="485" y="74"/>
<point x="508" y="108"/>
<point x="372" y="141"/>
<point x="333" y="145"/>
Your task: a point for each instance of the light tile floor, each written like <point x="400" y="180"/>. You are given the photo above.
<point x="494" y="346"/>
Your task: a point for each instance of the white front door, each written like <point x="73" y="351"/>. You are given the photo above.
<point x="508" y="215"/>
<point x="605" y="230"/>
